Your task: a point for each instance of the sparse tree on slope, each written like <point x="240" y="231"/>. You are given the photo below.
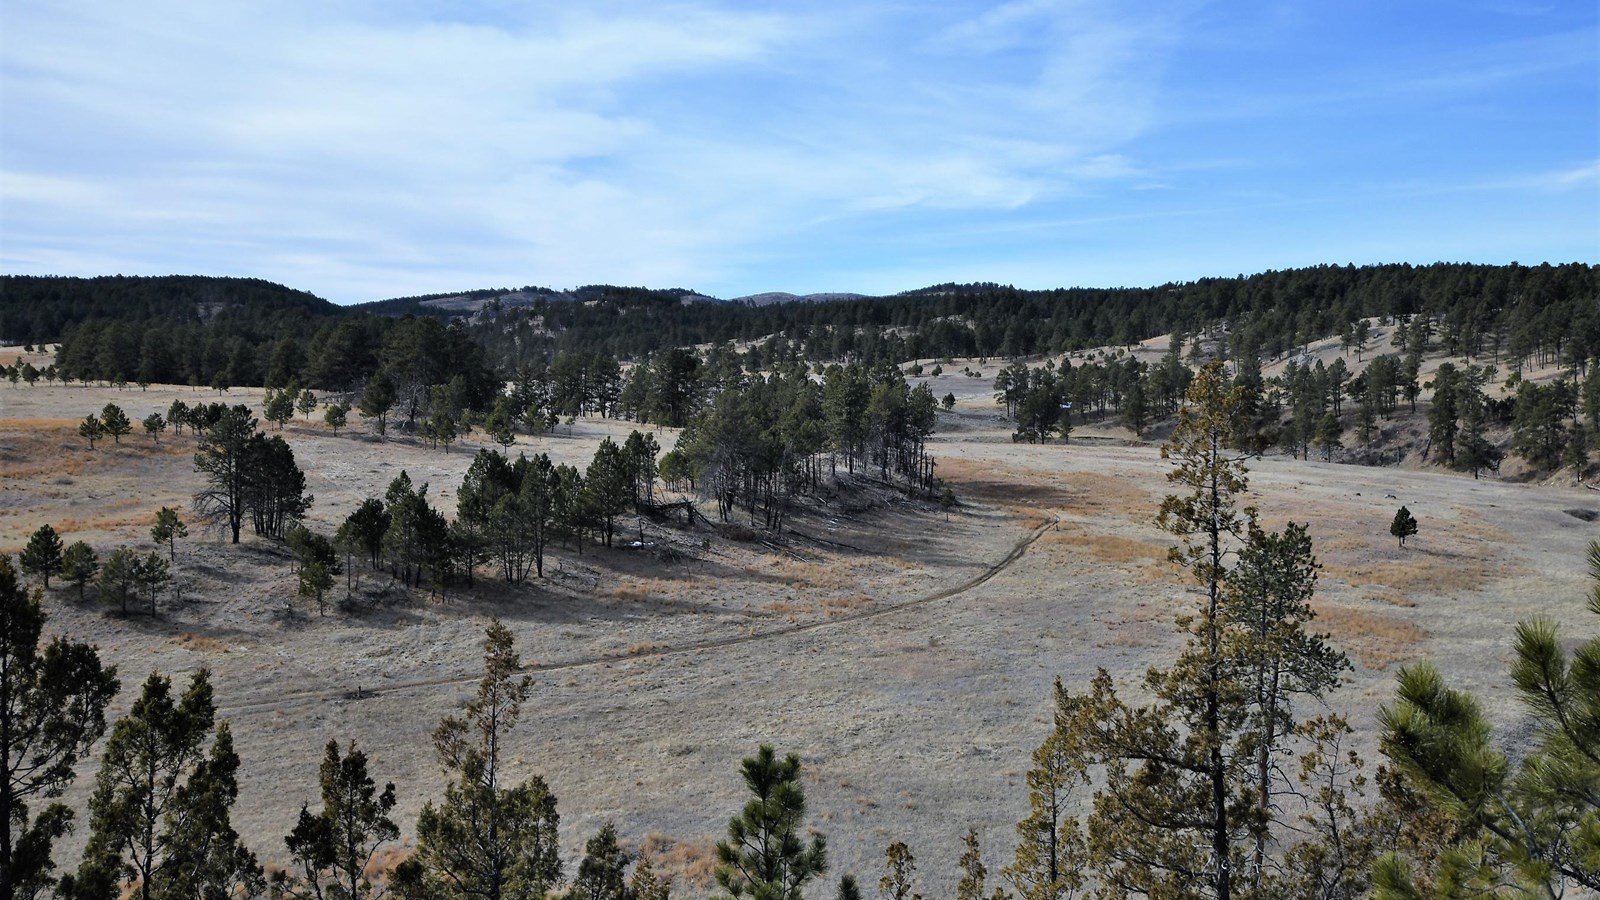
<point x="1403" y="525"/>
<point x="333" y="849"/>
<point x="224" y="459"/>
<point x="159" y="815"/>
<point x="167" y="529"/>
<point x="79" y="565"/>
<point x="91" y="430"/>
<point x="115" y="422"/>
<point x="487" y="840"/>
<point x="766" y="856"/>
<point x="42" y="556"/>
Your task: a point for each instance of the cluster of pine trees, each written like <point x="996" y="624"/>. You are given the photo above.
<point x="1305" y="408"/>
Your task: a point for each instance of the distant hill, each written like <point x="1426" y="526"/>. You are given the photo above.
<point x="468" y="303"/>
<point x="771" y="297"/>
<point x="39" y="308"/>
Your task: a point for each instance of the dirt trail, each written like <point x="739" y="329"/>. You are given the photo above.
<point x="278" y="701"/>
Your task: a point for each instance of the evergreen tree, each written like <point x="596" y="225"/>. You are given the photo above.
<point x="602" y="873"/>
<point x="52" y="711"/>
<point x="154" y="424"/>
<point x="498" y="425"/>
<point x="167" y="529"/>
<point x="224" y="458"/>
<point x="334" y="848"/>
<point x="316" y="579"/>
<point x="42" y="555"/>
<point x="115" y="421"/>
<point x="971" y="884"/>
<point x="306" y="403"/>
<point x="364" y="529"/>
<point x="336" y="415"/>
<point x="1050" y="854"/>
<point x="159" y="816"/>
<point x="1403" y="525"/>
<point x="608" y="486"/>
<point x="1268" y="611"/>
<point x="79" y="565"/>
<point x="151" y="573"/>
<point x="119" y="578"/>
<point x="1534" y="824"/>
<point x="1179" y="810"/>
<point x="377" y="400"/>
<point x="487" y="840"/>
<point x="279" y="407"/>
<point x="91" y="430"/>
<point x="900" y="865"/>
<point x="765" y="856"/>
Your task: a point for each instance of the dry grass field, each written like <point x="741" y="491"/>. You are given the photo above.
<point x="905" y="656"/>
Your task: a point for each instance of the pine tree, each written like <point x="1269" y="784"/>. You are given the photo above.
<point x="486" y="840"/>
<point x="91" y="429"/>
<point x="765" y="856"/>
<point x="336" y="415"/>
<point x="224" y="459"/>
<point x="52" y="711"/>
<point x="306" y="403"/>
<point x="900" y="865"/>
<point x="1535" y="824"/>
<point x="971" y="884"/>
<point x="316" y="579"/>
<point x="159" y="816"/>
<point x="152" y="574"/>
<point x="167" y="529"/>
<point x="334" y="848"/>
<point x="42" y="555"/>
<point x="119" y="577"/>
<point x="608" y="487"/>
<point x="602" y="873"/>
<point x="498" y="425"/>
<point x="278" y="407"/>
<point x="377" y="400"/>
<point x="115" y="422"/>
<point x="1179" y="811"/>
<point x="1403" y="525"/>
<point x="1268" y="611"/>
<point x="645" y="884"/>
<point x="79" y="565"/>
<point x="1050" y="852"/>
<point x="154" y="424"/>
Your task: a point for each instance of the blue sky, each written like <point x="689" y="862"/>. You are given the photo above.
<point x="378" y="148"/>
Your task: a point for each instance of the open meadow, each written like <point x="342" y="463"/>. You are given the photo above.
<point x="905" y="653"/>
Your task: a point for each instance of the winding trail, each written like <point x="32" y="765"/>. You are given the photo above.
<point x="277" y="701"/>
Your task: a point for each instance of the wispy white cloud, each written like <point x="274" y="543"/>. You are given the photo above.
<point x="366" y="148"/>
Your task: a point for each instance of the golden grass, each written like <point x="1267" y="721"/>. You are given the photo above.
<point x="191" y="641"/>
<point x="836" y="575"/>
<point x="836" y="606"/>
<point x="1148" y="560"/>
<point x="1424" y="572"/>
<point x="1373" y="638"/>
<point x="690" y="864"/>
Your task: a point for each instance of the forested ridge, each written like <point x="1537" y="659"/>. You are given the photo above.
<point x="193" y="330"/>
